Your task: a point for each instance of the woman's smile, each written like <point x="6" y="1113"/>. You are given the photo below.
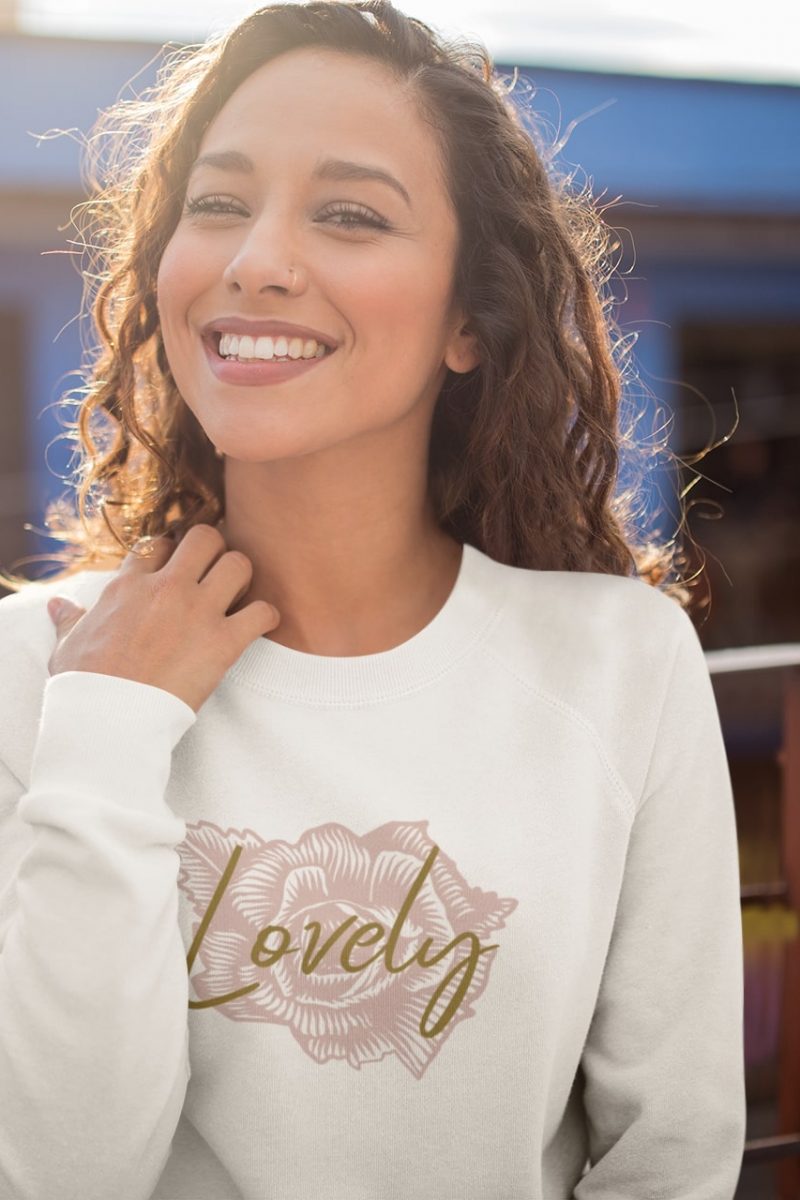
<point x="257" y="371"/>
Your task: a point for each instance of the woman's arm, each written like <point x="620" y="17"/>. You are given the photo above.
<point x="93" y="981"/>
<point x="664" y="1059"/>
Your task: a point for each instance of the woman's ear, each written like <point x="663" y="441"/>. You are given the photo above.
<point x="462" y="353"/>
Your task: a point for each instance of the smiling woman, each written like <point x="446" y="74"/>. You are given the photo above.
<point x="410" y="186"/>
<point x="371" y="240"/>
<point x="373" y="836"/>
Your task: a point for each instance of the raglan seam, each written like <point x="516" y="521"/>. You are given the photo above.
<point x="616" y="780"/>
<point x="670" y="674"/>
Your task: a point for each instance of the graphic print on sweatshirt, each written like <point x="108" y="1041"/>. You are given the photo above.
<point x="362" y="946"/>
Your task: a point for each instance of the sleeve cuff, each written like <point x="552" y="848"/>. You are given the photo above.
<point x="107" y="734"/>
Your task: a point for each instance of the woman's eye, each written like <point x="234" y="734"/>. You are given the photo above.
<point x="209" y="204"/>
<point x="359" y="216"/>
<point x="351" y="215"/>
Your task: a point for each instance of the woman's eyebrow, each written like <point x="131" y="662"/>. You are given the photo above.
<point x="326" y="168"/>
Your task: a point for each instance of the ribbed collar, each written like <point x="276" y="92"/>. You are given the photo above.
<point x="459" y="625"/>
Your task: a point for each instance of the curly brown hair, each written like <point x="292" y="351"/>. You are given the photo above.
<point x="526" y="449"/>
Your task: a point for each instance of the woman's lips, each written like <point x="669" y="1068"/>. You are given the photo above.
<point x="258" y="372"/>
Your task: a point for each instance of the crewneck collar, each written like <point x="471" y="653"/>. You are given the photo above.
<point x="459" y="625"/>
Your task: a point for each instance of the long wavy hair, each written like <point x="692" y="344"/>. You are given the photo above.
<point x="526" y="449"/>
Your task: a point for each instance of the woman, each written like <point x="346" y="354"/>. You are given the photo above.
<point x="392" y="745"/>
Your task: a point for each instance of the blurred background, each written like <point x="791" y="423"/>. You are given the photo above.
<point x="686" y="117"/>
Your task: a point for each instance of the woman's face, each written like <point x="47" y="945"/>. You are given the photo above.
<point x="381" y="291"/>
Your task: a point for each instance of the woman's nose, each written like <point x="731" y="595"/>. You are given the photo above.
<point x="262" y="260"/>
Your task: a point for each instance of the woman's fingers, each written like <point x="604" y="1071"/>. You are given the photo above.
<point x="228" y="579"/>
<point x="148" y="554"/>
<point x="162" y="618"/>
<point x="197" y="551"/>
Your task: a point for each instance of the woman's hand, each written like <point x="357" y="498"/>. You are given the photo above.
<point x="162" y="618"/>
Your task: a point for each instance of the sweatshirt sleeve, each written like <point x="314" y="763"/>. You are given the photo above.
<point x="664" y="1058"/>
<point x="94" y="995"/>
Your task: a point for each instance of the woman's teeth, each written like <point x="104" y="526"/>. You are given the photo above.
<point x="278" y="349"/>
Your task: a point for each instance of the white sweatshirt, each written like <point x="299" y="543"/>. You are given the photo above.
<point x="456" y="921"/>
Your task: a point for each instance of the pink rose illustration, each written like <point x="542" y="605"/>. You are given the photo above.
<point x="361" y="946"/>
